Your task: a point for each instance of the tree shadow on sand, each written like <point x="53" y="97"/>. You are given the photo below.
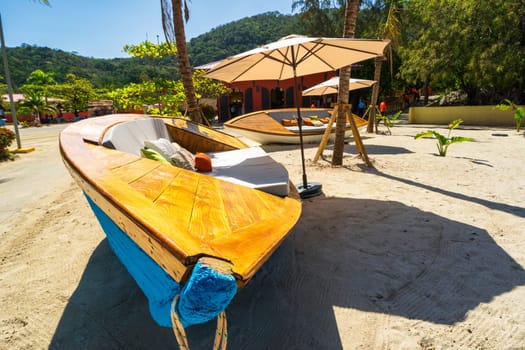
<point x="429" y="268"/>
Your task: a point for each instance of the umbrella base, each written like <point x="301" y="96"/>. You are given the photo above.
<point x="312" y="189"/>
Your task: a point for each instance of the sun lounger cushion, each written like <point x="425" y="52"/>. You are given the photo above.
<point x="251" y="167"/>
<point x="289" y="122"/>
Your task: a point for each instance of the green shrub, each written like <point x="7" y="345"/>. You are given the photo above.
<point x="6" y="138"/>
<point x="519" y="113"/>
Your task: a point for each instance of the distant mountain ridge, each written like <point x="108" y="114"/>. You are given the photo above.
<point x="220" y="42"/>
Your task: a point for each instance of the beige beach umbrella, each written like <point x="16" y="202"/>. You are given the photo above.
<point x="331" y="86"/>
<point x="291" y="57"/>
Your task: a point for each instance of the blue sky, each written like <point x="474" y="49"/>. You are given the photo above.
<point x="100" y="28"/>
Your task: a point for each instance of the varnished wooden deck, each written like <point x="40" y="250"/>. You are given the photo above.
<point x="176" y="215"/>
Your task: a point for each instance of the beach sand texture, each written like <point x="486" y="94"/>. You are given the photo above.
<point x="419" y="252"/>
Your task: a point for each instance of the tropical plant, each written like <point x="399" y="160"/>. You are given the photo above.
<point x="38" y="105"/>
<point x="519" y="113"/>
<point x="445" y="141"/>
<point x="389" y="121"/>
<point x="6" y="138"/>
<point x="40" y="82"/>
<point x="153" y="53"/>
<point x="76" y="92"/>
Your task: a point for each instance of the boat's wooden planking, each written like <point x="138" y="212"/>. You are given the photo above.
<point x="176" y="215"/>
<point x="261" y="122"/>
<point x="197" y="138"/>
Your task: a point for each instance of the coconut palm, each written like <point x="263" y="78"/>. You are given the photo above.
<point x="173" y="25"/>
<point x="391" y="30"/>
<point x="352" y="7"/>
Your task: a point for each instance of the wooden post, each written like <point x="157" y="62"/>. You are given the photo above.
<point x="355" y="132"/>
<point x="326" y="135"/>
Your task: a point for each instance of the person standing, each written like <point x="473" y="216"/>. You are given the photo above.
<point x="382" y="108"/>
<point x="360" y="108"/>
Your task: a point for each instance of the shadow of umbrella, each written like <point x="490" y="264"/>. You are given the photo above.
<point x="433" y="269"/>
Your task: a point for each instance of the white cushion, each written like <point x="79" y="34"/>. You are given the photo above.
<point x="182" y="157"/>
<point x="173" y="152"/>
<point x="162" y="146"/>
<point x="251" y="167"/>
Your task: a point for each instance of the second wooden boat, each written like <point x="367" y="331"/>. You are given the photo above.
<point x="272" y="126"/>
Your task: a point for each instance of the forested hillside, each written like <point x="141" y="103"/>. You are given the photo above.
<point x="101" y="72"/>
<point x="220" y="42"/>
<point x="242" y="35"/>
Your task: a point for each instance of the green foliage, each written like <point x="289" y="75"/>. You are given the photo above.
<point x="6" y="138"/>
<point x="519" y="113"/>
<point x="115" y="72"/>
<point x="474" y="46"/>
<point x="37" y="104"/>
<point x="150" y="50"/>
<point x="388" y="121"/>
<point x="445" y="141"/>
<point x="205" y="87"/>
<point x="76" y="92"/>
<point x="162" y="97"/>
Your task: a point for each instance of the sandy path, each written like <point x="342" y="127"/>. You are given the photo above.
<point x="422" y="252"/>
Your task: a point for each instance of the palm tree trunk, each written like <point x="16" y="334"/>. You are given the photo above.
<point x="375" y="94"/>
<point x="352" y="7"/>
<point x="184" y="62"/>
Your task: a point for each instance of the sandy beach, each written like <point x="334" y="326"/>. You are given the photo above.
<point x="418" y="252"/>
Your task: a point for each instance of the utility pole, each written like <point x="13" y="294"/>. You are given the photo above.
<point x="9" y="86"/>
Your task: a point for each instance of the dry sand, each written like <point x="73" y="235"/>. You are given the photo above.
<point x="421" y="252"/>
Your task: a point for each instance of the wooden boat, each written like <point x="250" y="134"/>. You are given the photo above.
<point x="266" y="126"/>
<point x="182" y="234"/>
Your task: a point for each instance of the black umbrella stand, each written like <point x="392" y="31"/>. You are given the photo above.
<point x="312" y="189"/>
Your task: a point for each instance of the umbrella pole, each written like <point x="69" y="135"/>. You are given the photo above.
<point x="300" y="124"/>
<point x="306" y="190"/>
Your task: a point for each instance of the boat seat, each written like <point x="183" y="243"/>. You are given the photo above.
<point x="130" y="136"/>
<point x="251" y="167"/>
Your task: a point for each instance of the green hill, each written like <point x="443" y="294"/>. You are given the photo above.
<point x="241" y="35"/>
<point x="219" y="43"/>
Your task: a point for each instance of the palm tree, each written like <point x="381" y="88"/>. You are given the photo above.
<point x="173" y="25"/>
<point x="38" y="105"/>
<point x="352" y="7"/>
<point x="41" y="80"/>
<point x="392" y="31"/>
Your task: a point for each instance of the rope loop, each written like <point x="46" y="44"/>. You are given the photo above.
<point x="221" y="333"/>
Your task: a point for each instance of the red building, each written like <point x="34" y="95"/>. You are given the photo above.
<point x="257" y="95"/>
